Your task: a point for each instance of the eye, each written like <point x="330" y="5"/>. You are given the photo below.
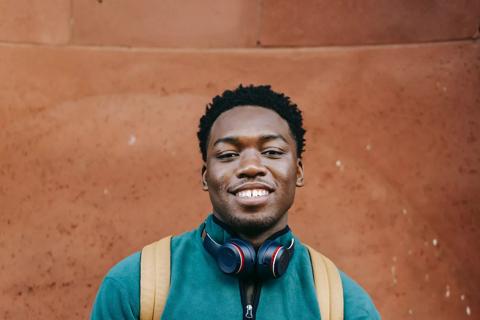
<point x="227" y="155"/>
<point x="273" y="153"/>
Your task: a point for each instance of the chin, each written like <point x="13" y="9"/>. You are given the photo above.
<point x="251" y="222"/>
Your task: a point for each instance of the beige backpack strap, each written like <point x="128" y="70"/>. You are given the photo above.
<point x="328" y="286"/>
<point x="154" y="278"/>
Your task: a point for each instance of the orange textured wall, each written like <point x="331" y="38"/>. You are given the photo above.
<point x="99" y="104"/>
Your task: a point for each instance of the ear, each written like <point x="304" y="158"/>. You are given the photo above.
<point x="300" y="181"/>
<point x="204" y="177"/>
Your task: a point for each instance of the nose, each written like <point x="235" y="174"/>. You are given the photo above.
<point x="250" y="165"/>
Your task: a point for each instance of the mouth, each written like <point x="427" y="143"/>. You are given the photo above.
<point x="252" y="194"/>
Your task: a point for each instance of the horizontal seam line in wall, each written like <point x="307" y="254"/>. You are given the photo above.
<point x="239" y="49"/>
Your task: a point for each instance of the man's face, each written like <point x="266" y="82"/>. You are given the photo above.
<point x="252" y="169"/>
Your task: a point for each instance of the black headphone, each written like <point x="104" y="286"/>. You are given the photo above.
<point x="238" y="257"/>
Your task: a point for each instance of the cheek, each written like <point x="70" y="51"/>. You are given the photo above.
<point x="288" y="178"/>
<point x="287" y="172"/>
<point x="217" y="180"/>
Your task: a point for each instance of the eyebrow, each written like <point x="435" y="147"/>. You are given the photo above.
<point x="236" y="141"/>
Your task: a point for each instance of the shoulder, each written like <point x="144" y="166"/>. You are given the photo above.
<point x="357" y="302"/>
<point x="119" y="294"/>
<point x="126" y="270"/>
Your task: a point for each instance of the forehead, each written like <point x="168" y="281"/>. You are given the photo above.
<point x="249" y="121"/>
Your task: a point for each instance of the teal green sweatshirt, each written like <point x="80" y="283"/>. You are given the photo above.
<point x="199" y="290"/>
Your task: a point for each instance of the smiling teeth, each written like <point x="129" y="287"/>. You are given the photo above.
<point x="252" y="193"/>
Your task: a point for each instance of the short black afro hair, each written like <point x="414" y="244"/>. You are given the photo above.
<point x="262" y="96"/>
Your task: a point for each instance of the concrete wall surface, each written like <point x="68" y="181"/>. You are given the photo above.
<point x="99" y="106"/>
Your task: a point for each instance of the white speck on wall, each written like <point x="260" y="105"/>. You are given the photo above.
<point x="105" y="191"/>
<point x="410" y="311"/>
<point x="462" y="297"/>
<point x="339" y="165"/>
<point x="441" y="86"/>
<point x="404" y="211"/>
<point x="435" y="242"/>
<point x="447" y="291"/>
<point x="132" y="140"/>
<point x="468" y="311"/>
<point x="368" y="147"/>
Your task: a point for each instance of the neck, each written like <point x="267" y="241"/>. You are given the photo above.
<point x="258" y="238"/>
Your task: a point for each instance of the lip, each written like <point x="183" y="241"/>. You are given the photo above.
<point x="253" y="201"/>
<point x="250" y="186"/>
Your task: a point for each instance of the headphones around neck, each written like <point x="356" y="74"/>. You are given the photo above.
<point x="238" y="257"/>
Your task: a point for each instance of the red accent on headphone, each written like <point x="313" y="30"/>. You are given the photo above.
<point x="272" y="263"/>
<point x="242" y="258"/>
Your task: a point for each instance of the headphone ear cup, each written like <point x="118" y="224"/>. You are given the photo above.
<point x="272" y="260"/>
<point x="236" y="257"/>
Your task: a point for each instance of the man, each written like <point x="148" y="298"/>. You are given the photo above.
<point x="251" y="140"/>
